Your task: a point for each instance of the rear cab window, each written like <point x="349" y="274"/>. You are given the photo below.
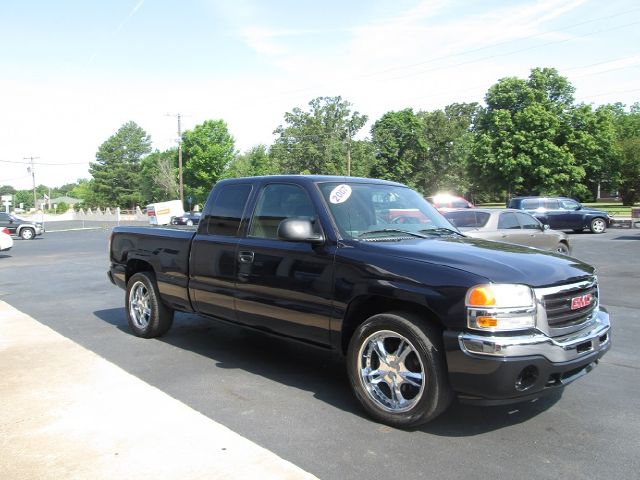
<point x="226" y="210"/>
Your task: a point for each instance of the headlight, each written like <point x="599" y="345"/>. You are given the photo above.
<point x="500" y="307"/>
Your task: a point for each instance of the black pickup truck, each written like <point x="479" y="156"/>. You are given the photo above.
<point x="369" y="269"/>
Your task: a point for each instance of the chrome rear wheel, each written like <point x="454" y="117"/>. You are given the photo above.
<point x="147" y="316"/>
<point x="139" y="308"/>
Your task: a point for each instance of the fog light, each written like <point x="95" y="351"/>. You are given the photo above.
<point x="527" y="378"/>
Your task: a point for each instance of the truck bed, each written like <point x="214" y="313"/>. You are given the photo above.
<point x="166" y="252"/>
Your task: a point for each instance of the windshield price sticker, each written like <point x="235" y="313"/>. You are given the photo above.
<point x="340" y="194"/>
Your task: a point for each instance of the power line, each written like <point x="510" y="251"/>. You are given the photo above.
<point x="20" y="162"/>
<point x="466" y="52"/>
<point x="513" y="52"/>
<point x="506" y="42"/>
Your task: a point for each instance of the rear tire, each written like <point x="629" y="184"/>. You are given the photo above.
<point x="397" y="369"/>
<point x="148" y="317"/>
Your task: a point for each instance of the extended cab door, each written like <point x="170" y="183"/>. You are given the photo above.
<point x="212" y="264"/>
<point x="284" y="287"/>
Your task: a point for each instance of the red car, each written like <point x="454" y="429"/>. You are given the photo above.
<point x="448" y="203"/>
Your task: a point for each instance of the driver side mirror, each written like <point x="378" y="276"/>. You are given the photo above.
<point x="299" y="230"/>
<point x="545" y="226"/>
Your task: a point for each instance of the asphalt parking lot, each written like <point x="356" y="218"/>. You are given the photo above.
<point x="295" y="401"/>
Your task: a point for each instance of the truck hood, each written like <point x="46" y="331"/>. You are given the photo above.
<point x="496" y="261"/>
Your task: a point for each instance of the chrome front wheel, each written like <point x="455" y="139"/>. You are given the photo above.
<point x="391" y="371"/>
<point x="397" y="368"/>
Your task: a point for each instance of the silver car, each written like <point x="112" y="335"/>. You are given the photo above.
<point x="511" y="226"/>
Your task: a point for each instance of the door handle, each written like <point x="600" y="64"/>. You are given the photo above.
<point x="245" y="257"/>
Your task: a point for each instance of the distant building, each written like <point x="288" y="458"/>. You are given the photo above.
<point x="57" y="201"/>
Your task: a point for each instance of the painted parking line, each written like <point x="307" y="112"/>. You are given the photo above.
<point x="68" y="413"/>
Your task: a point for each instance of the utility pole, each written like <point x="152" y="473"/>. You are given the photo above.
<point x="32" y="170"/>
<point x="180" y="183"/>
<point x="349" y="155"/>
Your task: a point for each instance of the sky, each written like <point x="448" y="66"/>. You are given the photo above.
<point x="72" y="72"/>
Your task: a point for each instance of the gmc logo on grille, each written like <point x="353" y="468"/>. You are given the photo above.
<point x="581" y="302"/>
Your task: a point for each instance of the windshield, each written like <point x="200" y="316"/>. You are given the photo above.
<point x="387" y="210"/>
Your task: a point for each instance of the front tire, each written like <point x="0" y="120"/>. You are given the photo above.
<point x="598" y="225"/>
<point x="397" y="369"/>
<point x="563" y="248"/>
<point x="27" y="234"/>
<point x="148" y="317"/>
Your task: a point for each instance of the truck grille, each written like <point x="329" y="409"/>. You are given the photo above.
<point x="571" y="307"/>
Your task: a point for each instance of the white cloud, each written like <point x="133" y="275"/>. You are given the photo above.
<point x="424" y="57"/>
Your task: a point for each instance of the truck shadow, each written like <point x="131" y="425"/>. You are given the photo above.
<point x="307" y="368"/>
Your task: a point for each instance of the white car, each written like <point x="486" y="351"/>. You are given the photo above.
<point x="6" y="242"/>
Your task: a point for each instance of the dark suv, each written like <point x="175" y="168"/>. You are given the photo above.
<point x="562" y="213"/>
<point x="23" y="228"/>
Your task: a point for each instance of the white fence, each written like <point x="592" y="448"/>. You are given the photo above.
<point x="115" y="215"/>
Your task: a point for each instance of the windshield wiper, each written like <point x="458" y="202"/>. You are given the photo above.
<point x="393" y="230"/>
<point x="440" y="231"/>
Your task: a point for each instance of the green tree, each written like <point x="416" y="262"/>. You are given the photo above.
<point x="400" y="148"/>
<point x="208" y="150"/>
<point x="591" y="138"/>
<point x="116" y="172"/>
<point x="252" y="163"/>
<point x="159" y="176"/>
<point x="83" y="191"/>
<point x="628" y="142"/>
<point x="525" y="141"/>
<point x="449" y="138"/>
<point x="25" y="197"/>
<point x="630" y="171"/>
<point x="320" y="140"/>
<point x="7" y="190"/>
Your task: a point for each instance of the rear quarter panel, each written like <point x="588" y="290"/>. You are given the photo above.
<point x="165" y="251"/>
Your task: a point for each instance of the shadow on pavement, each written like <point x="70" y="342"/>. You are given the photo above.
<point x="628" y="237"/>
<point x="314" y="370"/>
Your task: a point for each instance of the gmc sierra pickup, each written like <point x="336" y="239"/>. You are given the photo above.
<point x="371" y="270"/>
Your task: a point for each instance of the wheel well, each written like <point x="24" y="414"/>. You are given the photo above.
<point x="364" y="307"/>
<point x="135" y="266"/>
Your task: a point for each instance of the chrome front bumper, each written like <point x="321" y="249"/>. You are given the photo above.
<point x="594" y="338"/>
